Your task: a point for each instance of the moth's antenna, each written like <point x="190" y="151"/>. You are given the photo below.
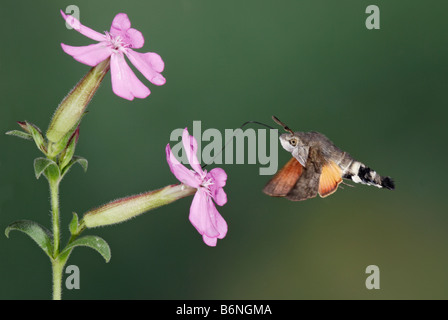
<point x="282" y="124"/>
<point x="231" y="138"/>
<point x="256" y="122"/>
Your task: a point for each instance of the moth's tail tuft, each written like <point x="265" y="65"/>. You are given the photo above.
<point x="388" y="183"/>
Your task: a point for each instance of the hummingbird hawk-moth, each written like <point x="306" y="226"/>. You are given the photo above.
<point x="317" y="166"/>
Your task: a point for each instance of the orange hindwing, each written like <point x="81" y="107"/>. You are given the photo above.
<point x="330" y="178"/>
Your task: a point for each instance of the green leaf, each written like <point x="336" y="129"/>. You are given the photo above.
<point x="40" y="164"/>
<point x="74" y="224"/>
<point x="47" y="167"/>
<point x="38" y="233"/>
<point x="20" y="134"/>
<point x="67" y="155"/>
<point x="76" y="159"/>
<point x="82" y="162"/>
<point x="37" y="136"/>
<point x="94" y="242"/>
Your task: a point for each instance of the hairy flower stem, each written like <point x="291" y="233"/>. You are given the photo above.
<point x="57" y="266"/>
<point x="54" y="195"/>
<point x="58" y="260"/>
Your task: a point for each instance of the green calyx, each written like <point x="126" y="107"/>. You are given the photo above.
<point x="129" y="207"/>
<point x="72" y="108"/>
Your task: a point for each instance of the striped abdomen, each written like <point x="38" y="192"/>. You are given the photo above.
<point x="360" y="173"/>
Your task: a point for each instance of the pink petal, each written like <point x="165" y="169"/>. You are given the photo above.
<point x="90" y="55"/>
<point x="201" y="217"/>
<point x="134" y="38"/>
<point x="182" y="174"/>
<point x="124" y="82"/>
<point x="121" y="26"/>
<point x="219" y="196"/>
<point x="89" y="33"/>
<point x="219" y="224"/>
<point x="191" y="148"/>
<point x="211" y="242"/>
<point x="219" y="177"/>
<point x="149" y="64"/>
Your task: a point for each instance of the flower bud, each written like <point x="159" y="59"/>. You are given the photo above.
<point x="125" y="208"/>
<point x="72" y="108"/>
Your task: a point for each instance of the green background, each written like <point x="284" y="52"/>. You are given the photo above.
<point x="378" y="94"/>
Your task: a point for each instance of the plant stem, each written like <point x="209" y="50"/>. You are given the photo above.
<point x="57" y="264"/>
<point x="54" y="194"/>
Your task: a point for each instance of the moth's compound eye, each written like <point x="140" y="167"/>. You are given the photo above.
<point x="293" y="142"/>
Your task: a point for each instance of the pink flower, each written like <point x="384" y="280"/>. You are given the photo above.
<point x="203" y="214"/>
<point x="117" y="43"/>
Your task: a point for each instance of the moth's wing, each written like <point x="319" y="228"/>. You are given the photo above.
<point x="308" y="184"/>
<point x="330" y="179"/>
<point x="284" y="180"/>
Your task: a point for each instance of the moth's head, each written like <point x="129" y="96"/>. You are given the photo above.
<point x="289" y="141"/>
